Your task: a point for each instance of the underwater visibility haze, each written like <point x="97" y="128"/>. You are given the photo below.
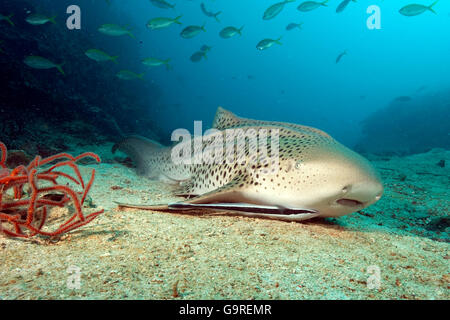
<point x="212" y="149"/>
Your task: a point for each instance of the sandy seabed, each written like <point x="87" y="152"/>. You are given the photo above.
<point x="395" y="249"/>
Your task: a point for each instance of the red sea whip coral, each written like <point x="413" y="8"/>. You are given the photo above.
<point x="24" y="214"/>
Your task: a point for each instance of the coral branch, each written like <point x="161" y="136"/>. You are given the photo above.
<point x="25" y="215"/>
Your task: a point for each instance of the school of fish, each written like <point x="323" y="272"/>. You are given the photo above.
<point x="39" y="19"/>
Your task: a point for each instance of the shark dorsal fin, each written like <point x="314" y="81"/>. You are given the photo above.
<point x="225" y="119"/>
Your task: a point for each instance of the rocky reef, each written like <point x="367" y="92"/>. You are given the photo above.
<point x="408" y="125"/>
<point x="42" y="111"/>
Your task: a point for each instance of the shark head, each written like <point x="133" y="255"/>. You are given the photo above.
<point x="315" y="172"/>
<point x="329" y="179"/>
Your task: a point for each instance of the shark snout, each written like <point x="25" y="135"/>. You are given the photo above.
<point x="360" y="194"/>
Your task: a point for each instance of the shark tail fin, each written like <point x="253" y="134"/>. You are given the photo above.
<point x="139" y="149"/>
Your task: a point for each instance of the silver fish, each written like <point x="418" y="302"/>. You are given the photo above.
<point x="229" y="32"/>
<point x="191" y="31"/>
<point x="198" y="56"/>
<point x="100" y="56"/>
<point x="37" y="19"/>
<point x="340" y="56"/>
<point x="37" y="62"/>
<point x="7" y="19"/>
<point x="115" y="30"/>
<point x="311" y="5"/>
<point x="275" y="9"/>
<point x="341" y="7"/>
<point x="159" y="23"/>
<point x="292" y="25"/>
<point x="162" y="4"/>
<point x="209" y="13"/>
<point x="129" y="75"/>
<point x="267" y="43"/>
<point x="416" y="9"/>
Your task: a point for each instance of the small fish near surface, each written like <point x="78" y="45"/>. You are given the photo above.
<point x="129" y="75"/>
<point x="162" y="4"/>
<point x="159" y="23"/>
<point x="198" y="56"/>
<point x="100" y="56"/>
<point x="37" y="19"/>
<point x="191" y="31"/>
<point x="229" y="32"/>
<point x="37" y="62"/>
<point x="315" y="176"/>
<point x="341" y="7"/>
<point x="293" y="25"/>
<point x="205" y="48"/>
<point x="267" y="43"/>
<point x="154" y="62"/>
<point x="403" y="99"/>
<point x="340" y="56"/>
<point x="416" y="9"/>
<point x="275" y="9"/>
<point x="7" y="19"/>
<point x="115" y="30"/>
<point x="311" y="5"/>
<point x="209" y="13"/>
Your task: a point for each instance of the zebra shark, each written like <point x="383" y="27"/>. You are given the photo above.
<point x="312" y="174"/>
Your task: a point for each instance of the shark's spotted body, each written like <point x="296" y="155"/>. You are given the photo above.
<point x="315" y="176"/>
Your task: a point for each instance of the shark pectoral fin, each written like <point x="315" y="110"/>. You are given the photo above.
<point x="244" y="208"/>
<point x="157" y="207"/>
<point x="185" y="189"/>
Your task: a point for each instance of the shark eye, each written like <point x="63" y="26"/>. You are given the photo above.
<point x="298" y="164"/>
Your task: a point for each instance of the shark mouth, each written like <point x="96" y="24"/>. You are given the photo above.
<point x="350" y="202"/>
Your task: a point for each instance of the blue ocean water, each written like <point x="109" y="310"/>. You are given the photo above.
<point x="298" y="81"/>
<point x="387" y="55"/>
